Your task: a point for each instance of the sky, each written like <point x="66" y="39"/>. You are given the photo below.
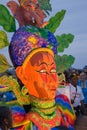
<point x="74" y="22"/>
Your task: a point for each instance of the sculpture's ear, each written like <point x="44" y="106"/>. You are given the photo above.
<point x="19" y="73"/>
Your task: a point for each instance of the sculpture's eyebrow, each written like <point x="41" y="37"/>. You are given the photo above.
<point x="46" y="63"/>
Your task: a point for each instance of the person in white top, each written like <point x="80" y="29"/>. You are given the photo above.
<point x="76" y="95"/>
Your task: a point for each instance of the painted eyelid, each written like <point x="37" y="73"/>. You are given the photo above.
<point x="42" y="71"/>
<point x="53" y="70"/>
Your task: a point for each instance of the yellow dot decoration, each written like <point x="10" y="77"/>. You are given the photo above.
<point x="33" y="40"/>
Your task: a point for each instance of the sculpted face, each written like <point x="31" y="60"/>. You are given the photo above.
<point x="39" y="76"/>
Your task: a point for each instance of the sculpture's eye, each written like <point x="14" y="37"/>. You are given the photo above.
<point x="53" y="71"/>
<point x="43" y="71"/>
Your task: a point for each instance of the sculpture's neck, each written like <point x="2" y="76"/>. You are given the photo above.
<point x="45" y="108"/>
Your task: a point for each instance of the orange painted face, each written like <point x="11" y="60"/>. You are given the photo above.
<point x="39" y="76"/>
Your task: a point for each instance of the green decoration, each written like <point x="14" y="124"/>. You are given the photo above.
<point x="45" y="5"/>
<point x="55" y="21"/>
<point x="3" y="39"/>
<point x="64" y="41"/>
<point x="43" y="32"/>
<point x="4" y="65"/>
<point x="6" y="20"/>
<point x="11" y="84"/>
<point x="63" y="62"/>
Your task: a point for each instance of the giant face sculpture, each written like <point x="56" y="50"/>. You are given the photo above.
<point x="33" y="57"/>
<point x="39" y="75"/>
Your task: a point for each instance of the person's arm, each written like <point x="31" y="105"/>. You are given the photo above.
<point x="83" y="109"/>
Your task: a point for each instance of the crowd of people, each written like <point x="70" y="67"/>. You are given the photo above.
<point x="75" y="81"/>
<point x="81" y="76"/>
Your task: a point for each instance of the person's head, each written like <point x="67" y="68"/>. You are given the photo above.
<point x="5" y="118"/>
<point x="34" y="62"/>
<point x="73" y="79"/>
<point x="85" y="69"/>
<point x="82" y="76"/>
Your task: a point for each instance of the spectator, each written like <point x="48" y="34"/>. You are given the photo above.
<point x="83" y="83"/>
<point x="85" y="70"/>
<point x="76" y="95"/>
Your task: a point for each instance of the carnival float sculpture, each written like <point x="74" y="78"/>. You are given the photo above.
<point x="32" y="50"/>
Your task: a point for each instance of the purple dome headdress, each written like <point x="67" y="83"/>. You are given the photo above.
<point x="27" y="39"/>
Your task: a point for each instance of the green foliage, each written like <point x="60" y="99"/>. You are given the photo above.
<point x="4" y="65"/>
<point x="45" y="5"/>
<point x="64" y="41"/>
<point x="6" y="20"/>
<point x="41" y="31"/>
<point x="3" y="39"/>
<point x="55" y="21"/>
<point x="63" y="62"/>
